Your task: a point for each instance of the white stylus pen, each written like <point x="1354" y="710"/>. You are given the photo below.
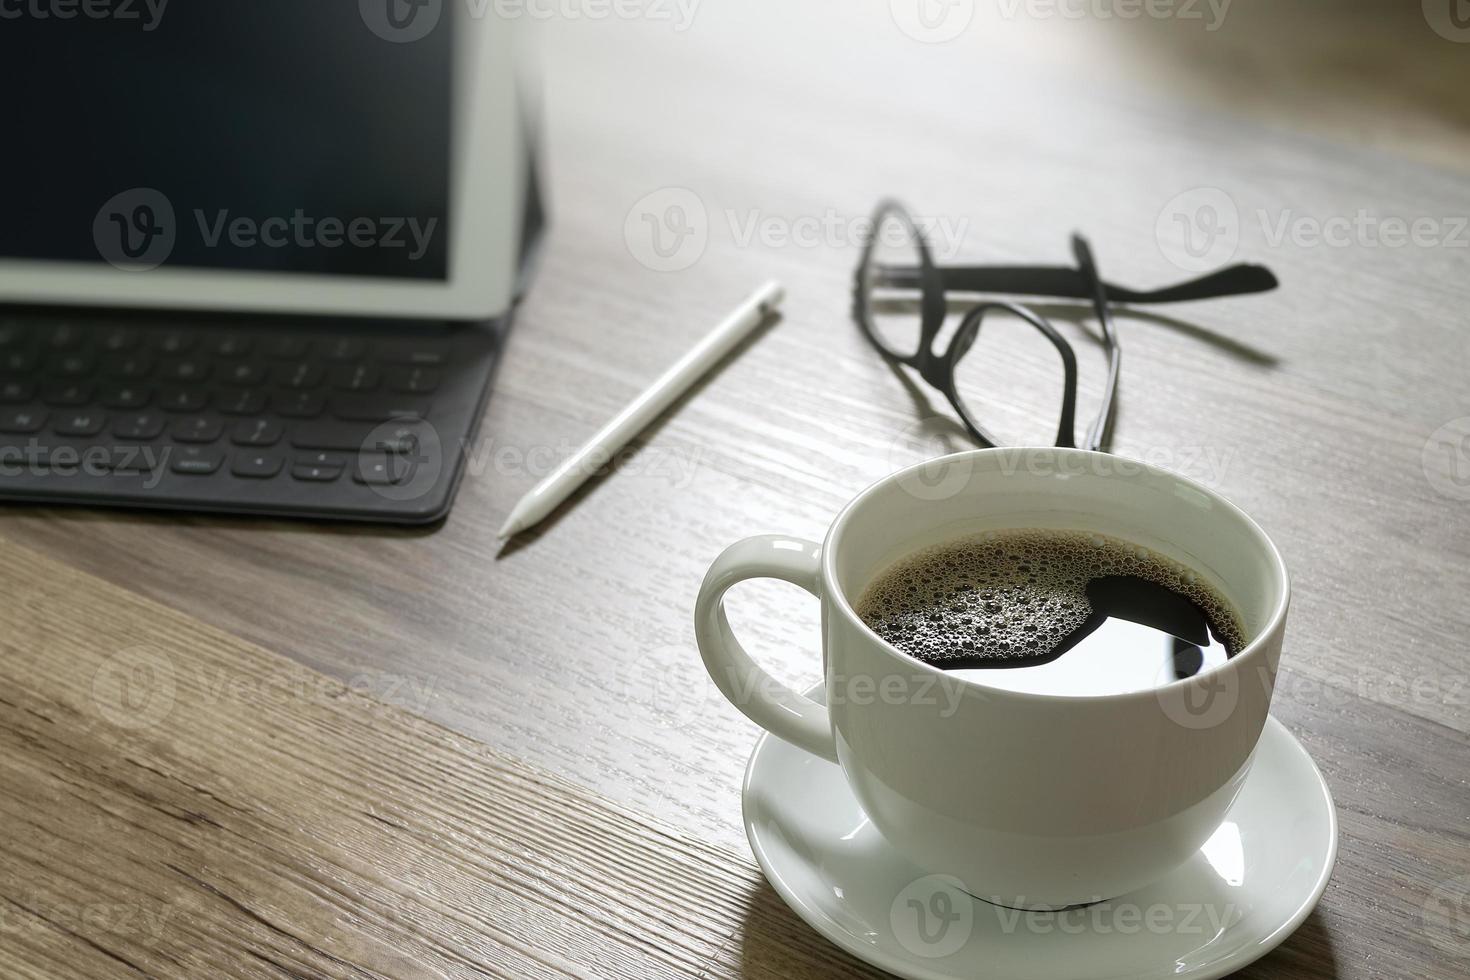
<point x="544" y="498"/>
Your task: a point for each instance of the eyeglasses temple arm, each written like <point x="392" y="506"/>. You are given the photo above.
<point x="1068" y="282"/>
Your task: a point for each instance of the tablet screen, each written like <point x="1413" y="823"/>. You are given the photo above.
<point x="278" y="135"/>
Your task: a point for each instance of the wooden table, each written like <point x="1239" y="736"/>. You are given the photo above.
<point x="242" y="748"/>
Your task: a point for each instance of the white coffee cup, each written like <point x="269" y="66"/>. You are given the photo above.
<point x="1030" y="800"/>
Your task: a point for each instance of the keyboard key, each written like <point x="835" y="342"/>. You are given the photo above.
<point x="14" y="392"/>
<point x="63" y="336"/>
<point x="414" y="381"/>
<point x="299" y="404"/>
<point x="344" y="349"/>
<point x="75" y="393"/>
<point x="258" y="465"/>
<point x="316" y="474"/>
<point x="300" y="375"/>
<point x="240" y="401"/>
<point x="139" y="426"/>
<point x="17" y="361"/>
<point x="11" y="332"/>
<point x="195" y="461"/>
<point x="230" y="345"/>
<point x="130" y="366"/>
<point x="383" y="469"/>
<point x="22" y="420"/>
<point x="320" y="459"/>
<point x="287" y="348"/>
<point x="242" y="373"/>
<point x="355" y="377"/>
<point x="119" y="339"/>
<point x="378" y="408"/>
<point x="256" y="432"/>
<point x="126" y="396"/>
<point x="184" y="369"/>
<point x="80" y="423"/>
<point x="197" y="429"/>
<point x="355" y="438"/>
<point x="182" y="399"/>
<point x="73" y="365"/>
<point x="174" y="341"/>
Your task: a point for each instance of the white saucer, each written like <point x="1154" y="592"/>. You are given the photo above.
<point x="1244" y="892"/>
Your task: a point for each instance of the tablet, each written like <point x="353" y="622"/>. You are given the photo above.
<point x="355" y="157"/>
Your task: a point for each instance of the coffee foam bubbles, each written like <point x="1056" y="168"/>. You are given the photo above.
<point x="1016" y="594"/>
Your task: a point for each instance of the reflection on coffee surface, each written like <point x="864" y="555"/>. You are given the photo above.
<point x="1053" y="612"/>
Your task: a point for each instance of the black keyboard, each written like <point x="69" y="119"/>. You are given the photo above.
<point x="332" y="418"/>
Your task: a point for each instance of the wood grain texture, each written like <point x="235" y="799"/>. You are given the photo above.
<point x="1314" y="408"/>
<point x="178" y="803"/>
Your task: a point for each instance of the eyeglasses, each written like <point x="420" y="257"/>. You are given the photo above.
<point x="900" y="299"/>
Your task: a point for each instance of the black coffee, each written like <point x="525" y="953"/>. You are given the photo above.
<point x="1053" y="612"/>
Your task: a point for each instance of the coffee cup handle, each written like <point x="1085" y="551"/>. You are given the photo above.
<point x="772" y="705"/>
